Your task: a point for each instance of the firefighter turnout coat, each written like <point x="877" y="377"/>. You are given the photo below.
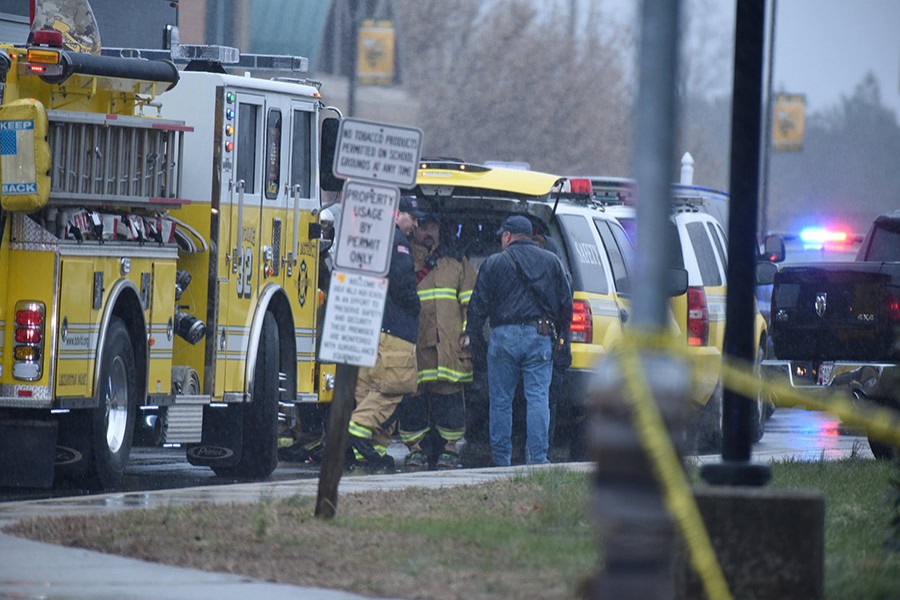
<point x="445" y="287"/>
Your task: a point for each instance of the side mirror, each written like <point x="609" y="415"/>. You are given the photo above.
<point x="773" y="249"/>
<point x="678" y="282"/>
<point x="328" y="146"/>
<point x="765" y="272"/>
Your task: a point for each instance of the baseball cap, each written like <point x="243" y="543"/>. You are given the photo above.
<point x="516" y="224"/>
<point x="411" y="206"/>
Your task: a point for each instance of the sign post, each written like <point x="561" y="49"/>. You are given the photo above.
<point x="377" y="159"/>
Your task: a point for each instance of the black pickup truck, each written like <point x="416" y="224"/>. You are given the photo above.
<point x="837" y="325"/>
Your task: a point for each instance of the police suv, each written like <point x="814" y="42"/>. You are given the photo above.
<point x="697" y="237"/>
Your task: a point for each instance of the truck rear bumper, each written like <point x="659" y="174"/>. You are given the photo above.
<point x="861" y="379"/>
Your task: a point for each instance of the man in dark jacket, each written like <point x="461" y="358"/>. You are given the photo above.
<point x="379" y="389"/>
<point x="525" y="294"/>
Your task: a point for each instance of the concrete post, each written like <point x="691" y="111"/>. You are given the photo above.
<point x="634" y="527"/>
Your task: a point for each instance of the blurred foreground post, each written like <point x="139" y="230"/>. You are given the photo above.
<point x="634" y="527"/>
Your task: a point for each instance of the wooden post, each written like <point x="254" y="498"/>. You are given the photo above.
<point x="336" y="439"/>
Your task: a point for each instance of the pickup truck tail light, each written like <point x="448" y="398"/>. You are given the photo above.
<point x="697" y="317"/>
<point x="582" y="327"/>
<point x="892" y="308"/>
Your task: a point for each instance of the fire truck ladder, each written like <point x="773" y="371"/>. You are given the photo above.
<point x="115" y="159"/>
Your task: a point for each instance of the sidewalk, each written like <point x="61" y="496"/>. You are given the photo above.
<point x="43" y="571"/>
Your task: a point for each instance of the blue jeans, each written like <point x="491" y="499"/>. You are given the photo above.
<point x="516" y="350"/>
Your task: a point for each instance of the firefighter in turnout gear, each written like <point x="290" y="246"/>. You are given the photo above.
<point x="380" y="389"/>
<point x="437" y="410"/>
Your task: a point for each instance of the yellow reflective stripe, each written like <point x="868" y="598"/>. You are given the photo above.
<point x="444" y="374"/>
<point x="359" y="431"/>
<point x="427" y="375"/>
<point x="465" y="296"/>
<point x="381" y="450"/>
<point x="451" y="375"/>
<point x="438" y="294"/>
<point x="451" y="435"/>
<point x="412" y="437"/>
<point x="465" y="322"/>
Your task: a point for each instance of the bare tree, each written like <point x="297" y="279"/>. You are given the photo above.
<point x="506" y="81"/>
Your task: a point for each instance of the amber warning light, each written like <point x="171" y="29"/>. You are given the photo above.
<point x="40" y="55"/>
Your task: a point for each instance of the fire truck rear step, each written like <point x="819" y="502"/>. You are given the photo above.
<point x="184" y="423"/>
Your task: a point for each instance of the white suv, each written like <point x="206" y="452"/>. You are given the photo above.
<point x="700" y="312"/>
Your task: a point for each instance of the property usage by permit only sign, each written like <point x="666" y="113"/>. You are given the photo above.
<point x="367" y="228"/>
<point x="378" y="152"/>
<point x="352" y="327"/>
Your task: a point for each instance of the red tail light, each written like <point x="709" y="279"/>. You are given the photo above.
<point x="47" y="37"/>
<point x="28" y="336"/>
<point x="30" y="317"/>
<point x="29" y="340"/>
<point x="697" y="317"/>
<point x="892" y="308"/>
<point x="582" y="328"/>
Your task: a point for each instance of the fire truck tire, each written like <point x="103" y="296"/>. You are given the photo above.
<point x="259" y="455"/>
<point x="103" y="435"/>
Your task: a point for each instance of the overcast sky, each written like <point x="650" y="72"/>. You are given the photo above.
<point x="823" y="48"/>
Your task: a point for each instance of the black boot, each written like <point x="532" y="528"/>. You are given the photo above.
<point x="372" y="460"/>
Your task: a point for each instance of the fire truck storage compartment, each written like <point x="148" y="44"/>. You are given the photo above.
<point x="116" y="159"/>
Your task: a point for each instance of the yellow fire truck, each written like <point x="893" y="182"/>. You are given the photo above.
<point x="158" y="259"/>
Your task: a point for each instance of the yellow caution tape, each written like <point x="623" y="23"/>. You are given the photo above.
<point x="881" y="423"/>
<point x="668" y="470"/>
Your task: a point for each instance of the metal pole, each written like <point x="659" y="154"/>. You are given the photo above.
<point x="735" y="468"/>
<point x="767" y="124"/>
<point x="356" y="11"/>
<point x="633" y="525"/>
<point x="653" y="151"/>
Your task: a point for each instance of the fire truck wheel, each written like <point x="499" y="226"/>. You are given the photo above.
<point x="259" y="455"/>
<point x="103" y="435"/>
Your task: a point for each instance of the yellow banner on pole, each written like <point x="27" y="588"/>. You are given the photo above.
<point x="375" y="55"/>
<point x="788" y="120"/>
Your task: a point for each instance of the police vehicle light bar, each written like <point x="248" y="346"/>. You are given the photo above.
<point x="225" y="55"/>
<point x="819" y="235"/>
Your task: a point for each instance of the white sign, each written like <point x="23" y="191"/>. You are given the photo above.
<point x="353" y="313"/>
<point x="377" y="152"/>
<point x="367" y="228"/>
